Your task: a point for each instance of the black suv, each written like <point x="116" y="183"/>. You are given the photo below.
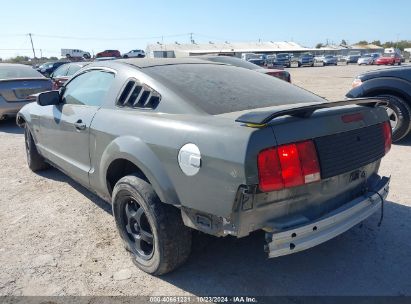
<point x="282" y="59"/>
<point x="393" y="84"/>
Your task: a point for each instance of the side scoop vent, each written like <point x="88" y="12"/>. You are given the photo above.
<point x="138" y="95"/>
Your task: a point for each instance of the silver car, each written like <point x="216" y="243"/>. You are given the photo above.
<point x="17" y="83"/>
<point x="368" y="59"/>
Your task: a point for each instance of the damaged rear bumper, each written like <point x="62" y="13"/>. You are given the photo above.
<point x="329" y="226"/>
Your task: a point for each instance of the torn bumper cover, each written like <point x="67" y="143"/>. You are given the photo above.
<point x="329" y="226"/>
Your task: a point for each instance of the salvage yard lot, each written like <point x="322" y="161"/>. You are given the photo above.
<point x="56" y="238"/>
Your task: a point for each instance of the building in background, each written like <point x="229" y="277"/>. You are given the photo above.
<point x="176" y="49"/>
<point x="173" y="50"/>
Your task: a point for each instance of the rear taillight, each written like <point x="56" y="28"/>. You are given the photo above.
<point x="386" y="129"/>
<point x="269" y="170"/>
<point x="288" y="166"/>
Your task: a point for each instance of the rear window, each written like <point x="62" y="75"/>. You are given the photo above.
<point x="218" y="89"/>
<point x="15" y="71"/>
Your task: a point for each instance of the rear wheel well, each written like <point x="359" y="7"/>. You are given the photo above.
<point x="390" y="92"/>
<point x="120" y="168"/>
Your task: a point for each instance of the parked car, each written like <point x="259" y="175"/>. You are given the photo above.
<point x="353" y="57"/>
<point x="319" y="59"/>
<point x="282" y="59"/>
<point x="134" y="54"/>
<point x="393" y="84"/>
<point x="330" y="60"/>
<point x="75" y="53"/>
<point x="109" y="53"/>
<point x="49" y="67"/>
<point x="284" y="75"/>
<point x="17" y="83"/>
<point x="183" y="144"/>
<point x="305" y="59"/>
<point x="366" y="59"/>
<point x="258" y="61"/>
<point x="389" y="59"/>
<point x="64" y="72"/>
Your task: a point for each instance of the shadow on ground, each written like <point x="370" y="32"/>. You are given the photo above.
<point x="9" y="126"/>
<point x="404" y="142"/>
<point x="57" y="175"/>
<point x="366" y="260"/>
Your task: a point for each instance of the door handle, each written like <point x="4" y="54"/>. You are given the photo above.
<point x="80" y="125"/>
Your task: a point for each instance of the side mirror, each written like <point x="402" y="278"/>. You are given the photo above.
<point x="49" y="98"/>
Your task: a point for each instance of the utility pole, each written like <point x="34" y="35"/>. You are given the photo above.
<point x="191" y="38"/>
<point x="32" y="46"/>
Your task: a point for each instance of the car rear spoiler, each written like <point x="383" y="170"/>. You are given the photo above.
<point x="303" y="110"/>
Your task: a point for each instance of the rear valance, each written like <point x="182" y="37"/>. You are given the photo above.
<point x="304" y="110"/>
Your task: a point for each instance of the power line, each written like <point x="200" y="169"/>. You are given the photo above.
<point x="108" y="39"/>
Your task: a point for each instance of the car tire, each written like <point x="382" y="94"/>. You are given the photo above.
<point x="399" y="63"/>
<point x="153" y="232"/>
<point x="125" y="56"/>
<point x="34" y="160"/>
<point x="400" y="116"/>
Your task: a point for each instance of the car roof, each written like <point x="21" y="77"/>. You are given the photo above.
<point x="151" y="62"/>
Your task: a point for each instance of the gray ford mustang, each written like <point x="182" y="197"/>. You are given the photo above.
<point x="183" y="144"/>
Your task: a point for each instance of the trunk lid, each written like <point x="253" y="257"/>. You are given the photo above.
<point x="17" y="90"/>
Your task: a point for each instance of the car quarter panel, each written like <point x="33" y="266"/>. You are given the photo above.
<point x="153" y="140"/>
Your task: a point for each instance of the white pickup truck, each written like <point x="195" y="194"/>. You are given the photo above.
<point x="75" y="53"/>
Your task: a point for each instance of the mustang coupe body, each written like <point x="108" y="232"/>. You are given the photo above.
<point x="182" y="144"/>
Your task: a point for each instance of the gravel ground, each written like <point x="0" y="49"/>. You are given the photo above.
<point x="56" y="238"/>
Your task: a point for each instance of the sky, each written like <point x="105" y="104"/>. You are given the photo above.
<point x="93" y="25"/>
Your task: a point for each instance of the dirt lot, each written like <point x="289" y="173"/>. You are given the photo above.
<point x="56" y="238"/>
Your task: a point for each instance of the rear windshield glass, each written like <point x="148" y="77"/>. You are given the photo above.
<point x="15" y="71"/>
<point x="218" y="89"/>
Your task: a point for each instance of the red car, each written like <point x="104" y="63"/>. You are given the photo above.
<point x="109" y="53"/>
<point x="388" y="58"/>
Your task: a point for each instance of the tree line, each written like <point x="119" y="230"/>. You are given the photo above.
<point x="402" y="44"/>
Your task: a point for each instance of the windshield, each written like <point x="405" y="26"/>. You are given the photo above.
<point x="282" y="56"/>
<point x="46" y="65"/>
<point x="218" y="89"/>
<point x="329" y="56"/>
<point x="16" y="71"/>
<point x="388" y="55"/>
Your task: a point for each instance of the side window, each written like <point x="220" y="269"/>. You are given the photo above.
<point x="61" y="71"/>
<point x="88" y="89"/>
<point x="73" y="69"/>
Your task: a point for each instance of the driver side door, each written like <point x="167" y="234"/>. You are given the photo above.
<point x="65" y="127"/>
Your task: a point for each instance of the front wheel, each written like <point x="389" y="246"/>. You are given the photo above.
<point x="34" y="160"/>
<point x="399" y="113"/>
<point x="153" y="232"/>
